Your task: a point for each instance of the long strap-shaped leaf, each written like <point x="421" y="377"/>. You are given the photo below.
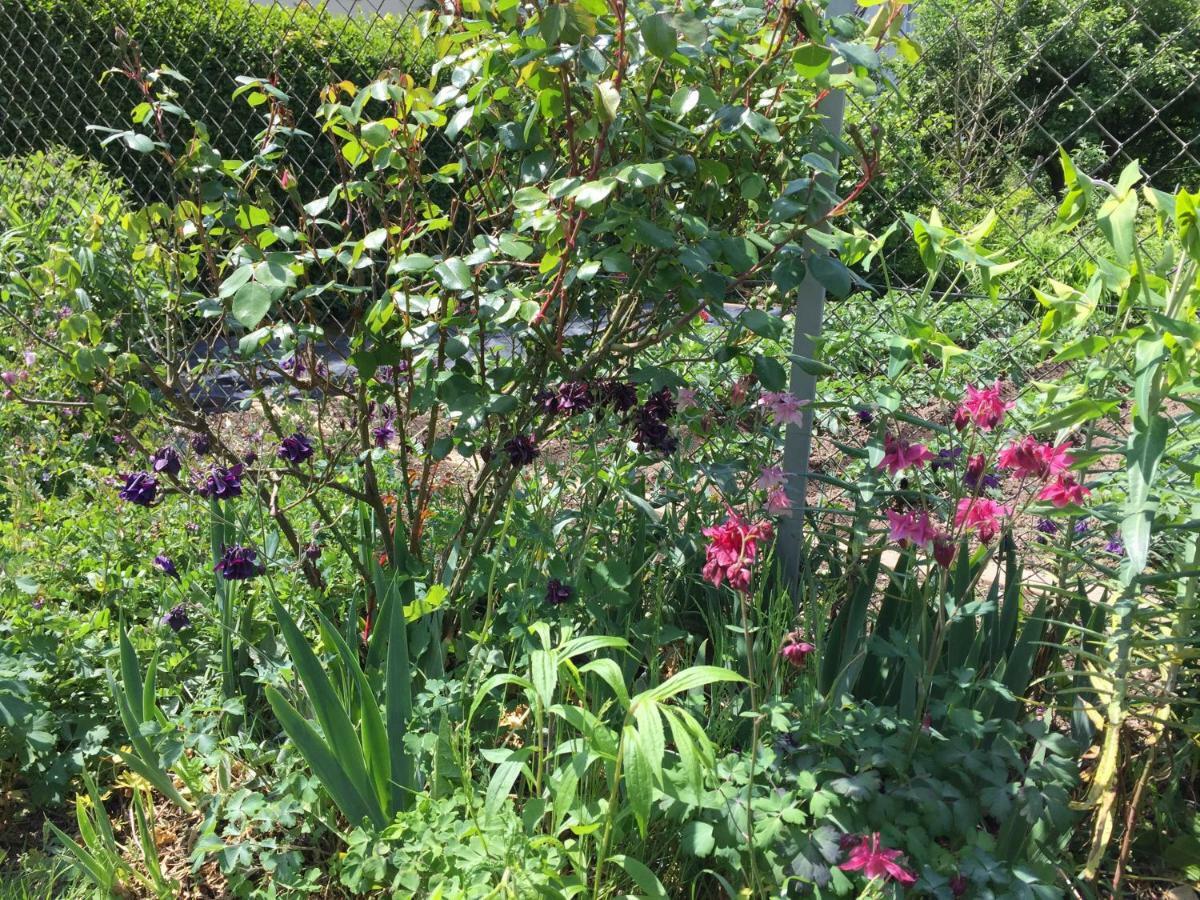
<point x="325" y="765"/>
<point x="374" y="735"/>
<point x="335" y="723"/>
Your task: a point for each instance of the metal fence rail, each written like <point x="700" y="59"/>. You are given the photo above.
<point x="982" y="97"/>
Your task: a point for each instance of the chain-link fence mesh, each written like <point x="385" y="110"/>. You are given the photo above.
<point x="981" y="96"/>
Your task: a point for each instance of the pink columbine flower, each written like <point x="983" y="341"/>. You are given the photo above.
<point x="1029" y="458"/>
<point x="784" y="407"/>
<point x="685" y="399"/>
<point x="877" y="861"/>
<point x="795" y="650"/>
<point x="899" y="454"/>
<point x="983" y="406"/>
<point x="778" y="503"/>
<point x="732" y="550"/>
<point x="30" y="358"/>
<point x="981" y="513"/>
<point x="1064" y="491"/>
<point x="910" y="528"/>
<point x="770" y="478"/>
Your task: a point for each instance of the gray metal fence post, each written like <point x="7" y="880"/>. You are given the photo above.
<point x="810" y="309"/>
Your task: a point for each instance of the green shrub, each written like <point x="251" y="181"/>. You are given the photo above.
<point x="57" y="51"/>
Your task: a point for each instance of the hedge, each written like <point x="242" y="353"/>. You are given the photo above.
<point x="53" y="53"/>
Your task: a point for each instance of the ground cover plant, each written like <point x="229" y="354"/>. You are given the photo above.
<point x="416" y="534"/>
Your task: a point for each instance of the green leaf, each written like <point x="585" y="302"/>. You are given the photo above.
<point x="454" y="274"/>
<point x="659" y="35"/>
<point x="645" y="879"/>
<point x="638" y="777"/>
<point x="592" y="193"/>
<point x="831" y="273"/>
<point x="810" y="59"/>
<point x="608" y="100"/>
<point x="251" y="303"/>
<point x="543" y="672"/>
<point x="687" y="680"/>
<point x="1146" y="447"/>
<point x="324" y="763"/>
<point x="335" y="723"/>
<point x="610" y="673"/>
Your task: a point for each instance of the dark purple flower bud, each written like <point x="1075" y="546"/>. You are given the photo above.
<point x="222" y="483"/>
<point x="557" y="592"/>
<point x="238" y="564"/>
<point x="864" y="415"/>
<point x="1115" y="546"/>
<point x="201" y="445"/>
<point x="177" y="618"/>
<point x="1082" y="527"/>
<point x="1047" y="526"/>
<point x="383" y="434"/>
<point x="140" y="488"/>
<point x="522" y="449"/>
<point x="848" y="842"/>
<point x="312" y="552"/>
<point x="165" y="459"/>
<point x="166" y="566"/>
<point x="295" y="448"/>
<point x="250" y="458"/>
<point x="959" y="885"/>
<point x="946" y="459"/>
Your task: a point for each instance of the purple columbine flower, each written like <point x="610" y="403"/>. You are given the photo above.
<point x="557" y="592"/>
<point x="238" y="563"/>
<point x="312" y="552"/>
<point x="661" y="405"/>
<point x="1115" y="546"/>
<point x="946" y="459"/>
<point x="620" y="395"/>
<point x="201" y="445"/>
<point x="383" y="434"/>
<point x="222" y="483"/>
<point x="140" y="488"/>
<point x="165" y="459"/>
<point x="295" y="448"/>
<point x="1082" y="527"/>
<point x="177" y="618"/>
<point x="164" y="564"/>
<point x="864" y="415"/>
<point x="1047" y="526"/>
<point x="522" y="449"/>
<point x="250" y="457"/>
<point x="570" y="398"/>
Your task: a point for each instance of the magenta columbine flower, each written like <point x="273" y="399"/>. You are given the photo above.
<point x="8" y="377"/>
<point x="944" y="550"/>
<point x="222" y="483"/>
<point x="769" y="478"/>
<point x="165" y="565"/>
<point x="899" y="454"/>
<point x="1064" y="491"/>
<point x="795" y="650"/>
<point x="295" y="448"/>
<point x="980" y="513"/>
<point x="877" y="861"/>
<point x="522" y="449"/>
<point x="140" y="488"/>
<point x="977" y="474"/>
<point x="238" y="563"/>
<point x="983" y="406"/>
<point x="732" y="551"/>
<point x="165" y="460"/>
<point x="910" y="528"/>
<point x="557" y="592"/>
<point x="785" y="407"/>
<point x="778" y="503"/>
<point x="177" y="618"/>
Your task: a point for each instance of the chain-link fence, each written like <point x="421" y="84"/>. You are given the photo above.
<point x="981" y="96"/>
